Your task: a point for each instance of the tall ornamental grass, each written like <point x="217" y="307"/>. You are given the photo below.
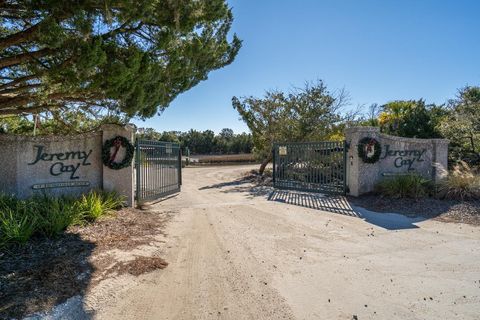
<point x="462" y="183"/>
<point x="45" y="216"/>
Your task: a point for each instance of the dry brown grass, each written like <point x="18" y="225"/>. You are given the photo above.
<point x="462" y="183"/>
<point x="224" y="158"/>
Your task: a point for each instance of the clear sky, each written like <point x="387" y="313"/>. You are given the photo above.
<point x="378" y="50"/>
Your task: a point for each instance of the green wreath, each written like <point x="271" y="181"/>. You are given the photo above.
<point x="109" y="159"/>
<point x="366" y="143"/>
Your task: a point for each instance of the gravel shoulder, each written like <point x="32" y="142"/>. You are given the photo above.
<point x="440" y="210"/>
<point x="46" y="272"/>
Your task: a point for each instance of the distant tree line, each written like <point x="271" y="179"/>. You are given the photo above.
<point x="203" y="142"/>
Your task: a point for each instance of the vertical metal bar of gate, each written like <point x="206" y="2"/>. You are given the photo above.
<point x="137" y="170"/>
<point x="317" y="166"/>
<point x="158" y="168"/>
<point x="179" y="172"/>
<point x="273" y="163"/>
<point x="345" y="167"/>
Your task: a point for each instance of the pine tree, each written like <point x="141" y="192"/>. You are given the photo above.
<point x="131" y="56"/>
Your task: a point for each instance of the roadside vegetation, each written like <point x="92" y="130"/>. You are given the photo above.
<point x="44" y="216"/>
<point x="462" y="183"/>
<point x="404" y="186"/>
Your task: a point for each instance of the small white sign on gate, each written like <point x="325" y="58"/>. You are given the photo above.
<point x="282" y="151"/>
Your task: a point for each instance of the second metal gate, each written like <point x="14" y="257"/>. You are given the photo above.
<point x="310" y="166"/>
<point x="158" y="169"/>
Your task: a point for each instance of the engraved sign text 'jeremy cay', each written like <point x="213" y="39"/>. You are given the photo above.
<point x="59" y="167"/>
<point x="404" y="157"/>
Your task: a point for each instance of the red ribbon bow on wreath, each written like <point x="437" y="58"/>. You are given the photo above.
<point x="370" y="146"/>
<point x="117" y="144"/>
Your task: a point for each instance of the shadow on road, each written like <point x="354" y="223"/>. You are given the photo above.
<point x="335" y="204"/>
<point x="43" y="274"/>
<point x="220" y="185"/>
<point x="341" y="205"/>
<point x="247" y="184"/>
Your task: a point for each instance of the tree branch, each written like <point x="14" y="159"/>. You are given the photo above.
<point x="19" y="81"/>
<point x="9" y="92"/>
<point x="19" y="37"/>
<point x="24" y="57"/>
<point x="19" y="102"/>
<point x="30" y="110"/>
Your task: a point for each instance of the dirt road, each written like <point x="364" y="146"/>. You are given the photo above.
<point x="234" y="254"/>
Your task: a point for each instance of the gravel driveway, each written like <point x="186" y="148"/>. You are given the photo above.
<point x="240" y="253"/>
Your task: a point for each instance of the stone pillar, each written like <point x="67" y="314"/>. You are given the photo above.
<point x="359" y="174"/>
<point x="440" y="159"/>
<point x="10" y="147"/>
<point x="120" y="181"/>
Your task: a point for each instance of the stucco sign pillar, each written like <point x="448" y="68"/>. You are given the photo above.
<point x="381" y="156"/>
<point x="69" y="165"/>
<point x="122" y="180"/>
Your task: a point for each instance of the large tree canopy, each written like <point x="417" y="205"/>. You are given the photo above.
<point x="132" y="56"/>
<point x="411" y="118"/>
<point x="304" y="114"/>
<point x="462" y="126"/>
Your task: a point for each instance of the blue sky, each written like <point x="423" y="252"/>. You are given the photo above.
<point x="378" y="51"/>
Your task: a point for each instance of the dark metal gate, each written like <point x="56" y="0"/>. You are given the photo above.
<point x="158" y="169"/>
<point x="310" y="166"/>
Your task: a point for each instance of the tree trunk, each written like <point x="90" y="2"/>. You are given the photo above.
<point x="264" y="164"/>
<point x="472" y="143"/>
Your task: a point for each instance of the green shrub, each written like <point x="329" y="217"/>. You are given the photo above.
<point x="462" y="183"/>
<point x="49" y="216"/>
<point x="8" y="201"/>
<point x="94" y="205"/>
<point x="16" y="225"/>
<point x="55" y="214"/>
<point x="404" y="186"/>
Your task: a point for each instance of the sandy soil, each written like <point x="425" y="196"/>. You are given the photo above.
<point x="240" y="253"/>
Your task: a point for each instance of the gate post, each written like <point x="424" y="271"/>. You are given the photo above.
<point x="273" y="163"/>
<point x="179" y="166"/>
<point x="120" y="181"/>
<point x="137" y="171"/>
<point x="345" y="148"/>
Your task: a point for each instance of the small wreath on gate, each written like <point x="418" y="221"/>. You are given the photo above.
<point x="108" y="157"/>
<point x="366" y="146"/>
